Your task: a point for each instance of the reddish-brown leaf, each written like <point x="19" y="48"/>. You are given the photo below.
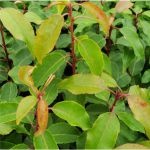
<point x="123" y="5"/>
<point x="99" y="15"/>
<point x="42" y="116"/>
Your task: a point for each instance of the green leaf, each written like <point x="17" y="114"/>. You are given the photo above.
<point x="18" y="26"/>
<point x="19" y="146"/>
<point x="132" y="37"/>
<point x="92" y="55"/>
<point x="9" y="91"/>
<point x="136" y="66"/>
<point x="50" y="65"/>
<point x="47" y="35"/>
<point x="7" y="112"/>
<point x="129" y="120"/>
<point x="99" y="15"/>
<point x="82" y="84"/>
<point x="109" y="81"/>
<point x="73" y="113"/>
<point x="131" y="146"/>
<point x="146" y="76"/>
<point x="44" y="141"/>
<point x="146" y="13"/>
<point x="24" y="107"/>
<point x="63" y="132"/>
<point x="145" y="27"/>
<point x="5" y="128"/>
<point x="104" y="133"/>
<point x="33" y="17"/>
<point x="141" y="111"/>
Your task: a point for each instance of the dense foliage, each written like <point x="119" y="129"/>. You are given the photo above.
<point x="74" y="75"/>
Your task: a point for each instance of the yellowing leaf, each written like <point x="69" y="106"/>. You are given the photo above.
<point x="42" y="116"/>
<point x="98" y="14"/>
<point x="25" y="75"/>
<point x="123" y="5"/>
<point x="131" y="146"/>
<point x="24" y="107"/>
<point x="141" y="111"/>
<point x="18" y="26"/>
<point x="47" y="35"/>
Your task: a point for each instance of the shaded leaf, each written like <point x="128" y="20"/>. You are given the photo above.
<point x="24" y="107"/>
<point x="104" y="132"/>
<point x="47" y="35"/>
<point x="98" y="14"/>
<point x="132" y="37"/>
<point x="82" y="84"/>
<point x="63" y="132"/>
<point x="18" y="26"/>
<point x="129" y="120"/>
<point x="9" y="91"/>
<point x="73" y="113"/>
<point x="44" y="141"/>
<point x="92" y="55"/>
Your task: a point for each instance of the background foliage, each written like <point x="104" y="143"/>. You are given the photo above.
<point x="74" y="74"/>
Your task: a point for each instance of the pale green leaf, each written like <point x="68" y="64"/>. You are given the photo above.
<point x="24" y="107"/>
<point x="91" y="53"/>
<point x="73" y="113"/>
<point x="44" y="141"/>
<point x="20" y="146"/>
<point x="50" y="65"/>
<point x="5" y="128"/>
<point x="18" y="26"/>
<point x="47" y="35"/>
<point x="104" y="133"/>
<point x="146" y="76"/>
<point x="7" y="112"/>
<point x="33" y="17"/>
<point x="82" y="84"/>
<point x="132" y="37"/>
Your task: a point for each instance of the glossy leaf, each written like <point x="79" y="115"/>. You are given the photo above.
<point x="91" y="53"/>
<point x="104" y="132"/>
<point x="9" y="91"/>
<point x="129" y="120"/>
<point x="141" y="111"/>
<point x="98" y="14"/>
<point x="18" y="26"/>
<point x="132" y="37"/>
<point x="24" y="107"/>
<point x="47" y="35"/>
<point x="7" y="112"/>
<point x="82" y="84"/>
<point x="50" y="65"/>
<point x="63" y="132"/>
<point x="73" y="113"/>
<point x="123" y="5"/>
<point x="44" y="141"/>
<point x="42" y="116"/>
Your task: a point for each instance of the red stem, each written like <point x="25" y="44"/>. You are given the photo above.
<point x="71" y="28"/>
<point x="4" y="47"/>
